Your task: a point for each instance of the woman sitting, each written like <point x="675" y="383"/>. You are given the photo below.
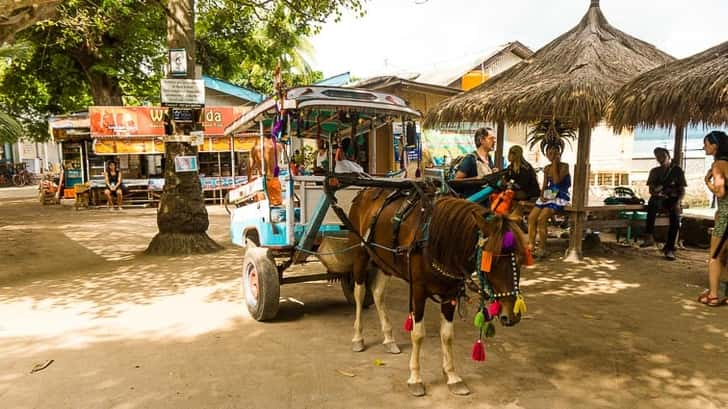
<point x="523" y="175"/>
<point x="554" y="196"/>
<point x="113" y="180"/>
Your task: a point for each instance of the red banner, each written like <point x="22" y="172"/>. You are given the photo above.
<point x="149" y="121"/>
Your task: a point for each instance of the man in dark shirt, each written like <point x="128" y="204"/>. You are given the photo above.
<point x="478" y="163"/>
<point x="667" y="188"/>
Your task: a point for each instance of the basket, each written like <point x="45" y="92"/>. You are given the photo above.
<point x="341" y="262"/>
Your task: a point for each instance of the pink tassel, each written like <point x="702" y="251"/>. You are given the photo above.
<point x="408" y="323"/>
<point x="478" y="351"/>
<point x="494" y="308"/>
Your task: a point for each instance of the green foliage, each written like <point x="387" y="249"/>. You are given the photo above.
<point x="10" y="129"/>
<point x="109" y="51"/>
<point x="548" y="133"/>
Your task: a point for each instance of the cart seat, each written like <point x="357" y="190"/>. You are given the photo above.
<point x="278" y="214"/>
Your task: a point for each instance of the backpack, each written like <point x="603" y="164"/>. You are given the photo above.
<point x="454" y="165"/>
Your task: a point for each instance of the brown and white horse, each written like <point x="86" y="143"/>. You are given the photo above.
<point x="448" y="231"/>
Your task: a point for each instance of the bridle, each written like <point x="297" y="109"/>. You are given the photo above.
<point x="483" y="287"/>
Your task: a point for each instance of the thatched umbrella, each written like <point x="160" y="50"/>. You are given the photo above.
<point x="572" y="78"/>
<point x="689" y="91"/>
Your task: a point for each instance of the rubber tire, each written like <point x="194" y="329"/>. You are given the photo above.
<point x="347" y="287"/>
<point x="265" y="307"/>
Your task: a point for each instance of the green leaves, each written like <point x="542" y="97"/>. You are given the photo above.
<point x="10" y="129"/>
<point x="548" y="133"/>
<point x="108" y="51"/>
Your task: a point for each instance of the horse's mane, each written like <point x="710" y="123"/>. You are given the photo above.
<point x="454" y="228"/>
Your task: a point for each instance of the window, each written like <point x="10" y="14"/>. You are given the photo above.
<point x="609" y="179"/>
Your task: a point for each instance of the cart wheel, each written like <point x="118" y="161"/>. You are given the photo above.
<point x="347" y="286"/>
<point x="261" y="286"/>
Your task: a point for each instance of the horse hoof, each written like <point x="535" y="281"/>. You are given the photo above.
<point x="416" y="389"/>
<point x="458" y="388"/>
<point x="357" y="346"/>
<point x="391" y="348"/>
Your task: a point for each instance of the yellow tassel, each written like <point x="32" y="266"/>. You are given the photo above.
<point x="520" y="306"/>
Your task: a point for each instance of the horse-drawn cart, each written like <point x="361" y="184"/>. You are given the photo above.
<point x="308" y="223"/>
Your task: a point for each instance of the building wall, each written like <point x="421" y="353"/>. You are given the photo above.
<point x="495" y="67"/>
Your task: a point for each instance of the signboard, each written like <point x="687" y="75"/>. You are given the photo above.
<point x="178" y="62"/>
<point x="183" y="93"/>
<point x="197" y="138"/>
<point x="107" y="122"/>
<point x="126" y="121"/>
<point x="183" y="115"/>
<point x="185" y="164"/>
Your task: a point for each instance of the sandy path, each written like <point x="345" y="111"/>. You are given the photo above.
<point x="621" y="330"/>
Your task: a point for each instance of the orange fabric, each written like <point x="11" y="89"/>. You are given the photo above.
<point x="275" y="191"/>
<point x="486" y="261"/>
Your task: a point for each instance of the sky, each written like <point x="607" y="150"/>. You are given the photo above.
<point x="403" y="36"/>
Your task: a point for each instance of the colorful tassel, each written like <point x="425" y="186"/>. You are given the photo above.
<point x="509" y="241"/>
<point x="478" y="353"/>
<point x="520" y="306"/>
<point x="479" y="320"/>
<point x="489" y="330"/>
<point x="529" y="257"/>
<point x="486" y="260"/>
<point x="494" y="308"/>
<point x="409" y="323"/>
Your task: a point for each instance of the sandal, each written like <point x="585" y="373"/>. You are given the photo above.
<point x="706" y="299"/>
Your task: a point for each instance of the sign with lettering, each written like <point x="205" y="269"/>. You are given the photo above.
<point x="185" y="164"/>
<point x="181" y="93"/>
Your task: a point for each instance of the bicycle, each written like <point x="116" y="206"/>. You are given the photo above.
<point x="22" y="177"/>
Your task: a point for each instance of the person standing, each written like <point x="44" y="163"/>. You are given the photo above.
<point x="716" y="144"/>
<point x="667" y="188"/>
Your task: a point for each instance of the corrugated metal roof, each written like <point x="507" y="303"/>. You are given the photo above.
<point x="232" y="89"/>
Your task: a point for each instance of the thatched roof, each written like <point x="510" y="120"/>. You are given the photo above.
<point x="688" y="91"/>
<point x="572" y="77"/>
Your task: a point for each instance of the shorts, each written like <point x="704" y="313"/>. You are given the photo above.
<point x="275" y="191"/>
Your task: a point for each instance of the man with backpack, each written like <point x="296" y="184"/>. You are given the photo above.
<point x="667" y="188"/>
<point x="478" y="163"/>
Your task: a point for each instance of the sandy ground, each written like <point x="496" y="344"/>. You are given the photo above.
<point x="621" y="330"/>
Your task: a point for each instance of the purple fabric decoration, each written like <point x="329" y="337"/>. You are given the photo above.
<point x="509" y="241"/>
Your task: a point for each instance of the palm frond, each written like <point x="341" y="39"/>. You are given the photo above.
<point x="548" y="133"/>
<point x="10" y="129"/>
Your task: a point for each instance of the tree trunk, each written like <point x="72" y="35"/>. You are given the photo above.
<point x="182" y="217"/>
<point x="104" y="89"/>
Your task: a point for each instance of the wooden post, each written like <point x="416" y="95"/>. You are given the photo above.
<point x="677" y="153"/>
<point x="580" y="196"/>
<point x="499" y="141"/>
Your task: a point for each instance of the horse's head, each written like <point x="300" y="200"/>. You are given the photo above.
<point x="462" y="232"/>
<point x="504" y="243"/>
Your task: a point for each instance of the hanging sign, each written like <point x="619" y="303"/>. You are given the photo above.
<point x="178" y="62"/>
<point x="183" y="93"/>
<point x="197" y="138"/>
<point x="185" y="164"/>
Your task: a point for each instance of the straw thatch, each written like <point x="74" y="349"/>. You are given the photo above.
<point x="688" y="91"/>
<point x="572" y="78"/>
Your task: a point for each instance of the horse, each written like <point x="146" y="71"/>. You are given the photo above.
<point x="437" y="248"/>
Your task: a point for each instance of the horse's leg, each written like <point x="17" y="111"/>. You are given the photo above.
<point x="378" y="287"/>
<point x="361" y="260"/>
<point x="414" y="383"/>
<point x="454" y="383"/>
